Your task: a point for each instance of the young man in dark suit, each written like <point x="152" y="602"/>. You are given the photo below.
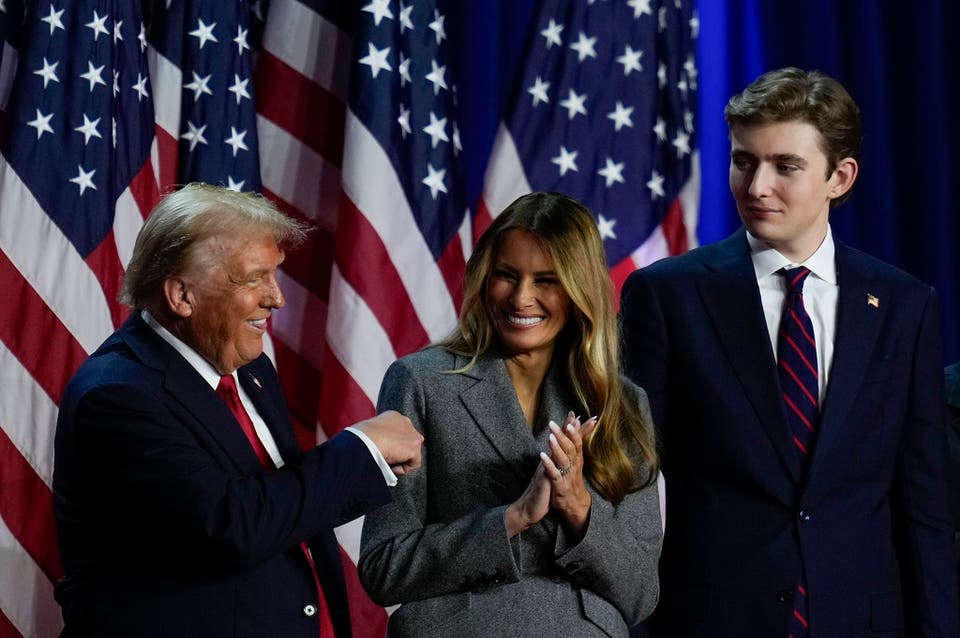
<point x="184" y="506"/>
<point x="796" y="385"/>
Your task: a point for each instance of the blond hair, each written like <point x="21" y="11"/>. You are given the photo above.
<point x="619" y="455"/>
<point x="182" y="220"/>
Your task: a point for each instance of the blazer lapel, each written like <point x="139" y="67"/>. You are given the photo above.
<point x="493" y="405"/>
<point x="732" y="301"/>
<point x="858" y="328"/>
<point x="191" y="392"/>
<point x="257" y="380"/>
<point x="555" y="403"/>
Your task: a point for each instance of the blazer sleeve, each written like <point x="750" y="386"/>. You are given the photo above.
<point x="926" y="532"/>
<point x="168" y="481"/>
<point x="405" y="558"/>
<point x="618" y="555"/>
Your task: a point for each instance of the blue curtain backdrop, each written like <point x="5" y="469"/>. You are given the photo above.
<point x="900" y="62"/>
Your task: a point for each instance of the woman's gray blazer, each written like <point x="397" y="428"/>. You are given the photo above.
<point x="441" y="550"/>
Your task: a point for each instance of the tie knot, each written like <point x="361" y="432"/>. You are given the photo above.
<point x="795" y="278"/>
<point x="227" y="385"/>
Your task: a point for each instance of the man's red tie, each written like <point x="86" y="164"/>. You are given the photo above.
<point x="227" y="389"/>
<point x="800" y="382"/>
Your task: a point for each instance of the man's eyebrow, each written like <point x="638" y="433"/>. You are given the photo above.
<point x="778" y="157"/>
<point x="790" y="157"/>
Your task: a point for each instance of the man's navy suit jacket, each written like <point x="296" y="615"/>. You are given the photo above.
<point x="866" y="524"/>
<point x="168" y="525"/>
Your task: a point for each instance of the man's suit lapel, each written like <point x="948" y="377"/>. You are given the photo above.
<point x="192" y="394"/>
<point x="258" y="381"/>
<point x="858" y="328"/>
<point x="493" y="405"/>
<point x="732" y="301"/>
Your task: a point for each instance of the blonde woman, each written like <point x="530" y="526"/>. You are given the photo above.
<point x="536" y="509"/>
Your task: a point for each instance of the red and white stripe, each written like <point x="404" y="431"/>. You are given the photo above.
<point x="60" y="307"/>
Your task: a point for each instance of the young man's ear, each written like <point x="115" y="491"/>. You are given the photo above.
<point x="177" y="296"/>
<point x="844" y="175"/>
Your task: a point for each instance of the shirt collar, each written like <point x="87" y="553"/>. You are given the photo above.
<point x="196" y="361"/>
<point x="767" y="261"/>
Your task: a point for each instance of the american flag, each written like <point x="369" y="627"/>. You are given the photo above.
<point x="605" y="111"/>
<point x="348" y="116"/>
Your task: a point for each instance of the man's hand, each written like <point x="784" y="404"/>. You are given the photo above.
<point x="396" y="438"/>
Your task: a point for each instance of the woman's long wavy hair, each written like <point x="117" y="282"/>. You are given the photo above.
<point x="620" y="454"/>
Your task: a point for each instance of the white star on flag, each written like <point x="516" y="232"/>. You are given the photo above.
<point x="239" y="88"/>
<point x="98" y="25"/>
<point x="612" y="172"/>
<point x="404" y="121"/>
<point x="605" y="227"/>
<point x="682" y="143"/>
<point x="694" y="26"/>
<point x="380" y="10"/>
<point x="539" y="91"/>
<point x="436" y="130"/>
<point x="434" y="180"/>
<point x="204" y="33"/>
<point x="584" y="47"/>
<point x="84" y="179"/>
<point x="48" y="72"/>
<point x="436" y="77"/>
<point x="640" y="7"/>
<point x="194" y="135"/>
<point x="455" y="138"/>
<point x="630" y="60"/>
<point x="574" y="104"/>
<point x="241" y="41"/>
<point x="93" y="75"/>
<point x="566" y="160"/>
<point x="41" y="123"/>
<point x="89" y="129"/>
<point x="404" y="70"/>
<point x="376" y="59"/>
<point x="235" y="141"/>
<point x="199" y="86"/>
<point x="437" y="27"/>
<point x="656" y="185"/>
<point x="660" y="128"/>
<point x="234" y="186"/>
<point x="53" y="19"/>
<point x="691" y="68"/>
<point x="405" y="22"/>
<point x="140" y="87"/>
<point x="552" y="33"/>
<point x="621" y="116"/>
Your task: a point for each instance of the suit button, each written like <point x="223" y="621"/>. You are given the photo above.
<point x="785" y="595"/>
<point x="804" y="516"/>
<point x="309" y="611"/>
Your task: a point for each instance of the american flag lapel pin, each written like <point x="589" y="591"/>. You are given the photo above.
<point x="873" y="300"/>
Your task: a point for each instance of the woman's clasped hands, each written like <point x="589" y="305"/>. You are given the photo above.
<point x="558" y="482"/>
